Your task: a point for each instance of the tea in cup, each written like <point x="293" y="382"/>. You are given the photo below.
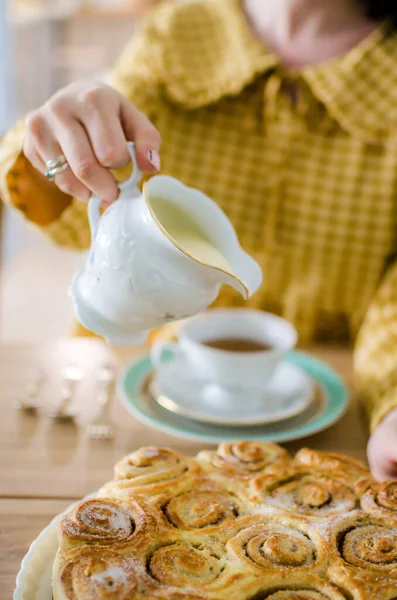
<point x="232" y="347"/>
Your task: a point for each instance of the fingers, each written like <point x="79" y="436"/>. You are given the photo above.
<point x="78" y="151"/>
<point x="382" y="453"/>
<point x="90" y="124"/>
<point x="106" y="134"/>
<point x="383" y="474"/>
<point x="29" y="150"/>
<point x="138" y="128"/>
<point x="387" y="467"/>
<point x="42" y="146"/>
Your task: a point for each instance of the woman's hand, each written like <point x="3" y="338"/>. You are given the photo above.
<point x="90" y="123"/>
<point x="382" y="448"/>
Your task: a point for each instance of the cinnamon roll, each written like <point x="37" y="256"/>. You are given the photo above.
<point x="380" y="500"/>
<point x="97" y="521"/>
<point x="370" y="547"/>
<point x="201" y="509"/>
<point x="347" y="467"/>
<point x="242" y="458"/>
<point x="304" y="586"/>
<point x="95" y="575"/>
<point x="149" y="471"/>
<point x="298" y="594"/>
<point x="182" y="564"/>
<point x="363" y="585"/>
<point x="316" y="494"/>
<point x="276" y="544"/>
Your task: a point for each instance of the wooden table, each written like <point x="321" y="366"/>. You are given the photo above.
<point x="45" y="465"/>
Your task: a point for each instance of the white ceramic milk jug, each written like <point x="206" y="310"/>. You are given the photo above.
<point x="157" y="256"/>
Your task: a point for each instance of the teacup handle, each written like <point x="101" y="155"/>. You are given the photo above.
<point x="129" y="186"/>
<point x="159" y="349"/>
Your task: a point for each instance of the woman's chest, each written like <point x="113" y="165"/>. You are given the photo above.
<point x="284" y="181"/>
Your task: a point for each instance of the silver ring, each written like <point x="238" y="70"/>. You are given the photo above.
<point x="55" y="162"/>
<point x="55" y="166"/>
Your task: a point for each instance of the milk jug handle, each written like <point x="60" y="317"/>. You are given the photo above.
<point x="129" y="186"/>
<point x="94" y="213"/>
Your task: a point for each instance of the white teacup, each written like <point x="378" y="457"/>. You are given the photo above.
<point x="226" y="367"/>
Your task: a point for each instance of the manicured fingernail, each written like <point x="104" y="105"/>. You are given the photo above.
<point x="154" y="158"/>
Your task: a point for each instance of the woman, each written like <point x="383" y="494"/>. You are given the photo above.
<point x="284" y="111"/>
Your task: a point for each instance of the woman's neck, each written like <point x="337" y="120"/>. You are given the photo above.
<point x="308" y="31"/>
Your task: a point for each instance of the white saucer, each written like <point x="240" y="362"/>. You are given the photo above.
<point x="287" y="394"/>
<point x="329" y="405"/>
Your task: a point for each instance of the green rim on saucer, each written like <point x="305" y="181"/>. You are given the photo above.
<point x="147" y="411"/>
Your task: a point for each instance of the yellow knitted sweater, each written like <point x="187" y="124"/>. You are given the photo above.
<point x="309" y="179"/>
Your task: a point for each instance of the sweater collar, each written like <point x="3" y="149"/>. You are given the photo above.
<point x="358" y="89"/>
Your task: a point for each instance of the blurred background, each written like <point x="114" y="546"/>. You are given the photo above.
<point x="45" y="44"/>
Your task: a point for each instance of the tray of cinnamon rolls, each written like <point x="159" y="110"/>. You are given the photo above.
<point x="243" y="522"/>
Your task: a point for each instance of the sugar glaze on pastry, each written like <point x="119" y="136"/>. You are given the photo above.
<point x="245" y="522"/>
